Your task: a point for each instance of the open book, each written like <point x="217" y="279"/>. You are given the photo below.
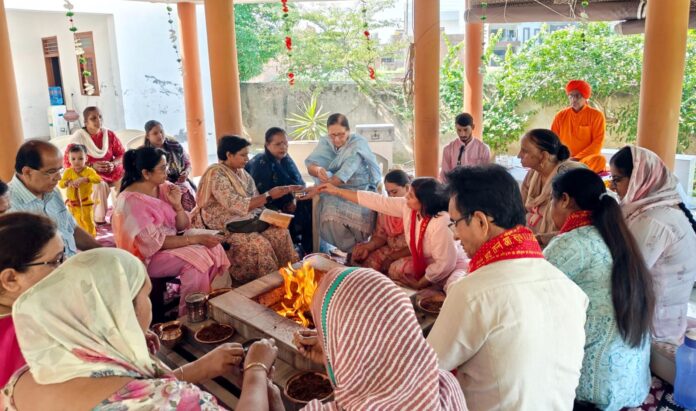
<point x="275" y="218"/>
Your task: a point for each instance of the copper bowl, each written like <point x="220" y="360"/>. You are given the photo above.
<point x="169" y="333"/>
<point x="223" y="333"/>
<point x="295" y="385"/>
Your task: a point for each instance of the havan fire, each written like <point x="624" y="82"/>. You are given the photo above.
<point x="299" y="286"/>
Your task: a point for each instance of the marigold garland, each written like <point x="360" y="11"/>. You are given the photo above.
<point x="79" y="51"/>
<point x="368" y="39"/>
<point x="173" y="38"/>
<point x="288" y="41"/>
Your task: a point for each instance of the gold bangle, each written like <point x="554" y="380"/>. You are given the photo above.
<point x="182" y="373"/>
<point x="256" y="364"/>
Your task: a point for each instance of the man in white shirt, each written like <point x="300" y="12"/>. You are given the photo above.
<point x="514" y="327"/>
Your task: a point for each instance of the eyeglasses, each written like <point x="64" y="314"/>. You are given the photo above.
<point x="53" y="263"/>
<point x="453" y="223"/>
<point x="51" y="172"/>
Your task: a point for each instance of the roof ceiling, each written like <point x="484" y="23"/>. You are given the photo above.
<point x="518" y="11"/>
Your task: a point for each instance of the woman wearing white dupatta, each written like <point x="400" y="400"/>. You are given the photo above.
<point x="88" y="349"/>
<point x="665" y="231"/>
<point x="104" y="154"/>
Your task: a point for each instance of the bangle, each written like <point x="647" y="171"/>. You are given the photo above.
<point x="187" y="240"/>
<point x="256" y="364"/>
<point x="182" y="372"/>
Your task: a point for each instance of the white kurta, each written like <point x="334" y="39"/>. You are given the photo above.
<point x="514" y="330"/>
<point x="667" y="242"/>
<point x="443" y="255"/>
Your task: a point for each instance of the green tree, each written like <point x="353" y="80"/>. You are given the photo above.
<point x="612" y="63"/>
<point x="258" y="30"/>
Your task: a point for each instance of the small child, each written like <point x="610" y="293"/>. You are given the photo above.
<point x="79" y="181"/>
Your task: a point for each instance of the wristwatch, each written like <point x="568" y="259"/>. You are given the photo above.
<point x="268" y="197"/>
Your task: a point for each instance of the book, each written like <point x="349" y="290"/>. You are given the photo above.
<point x="275" y="218"/>
<point x="197" y="231"/>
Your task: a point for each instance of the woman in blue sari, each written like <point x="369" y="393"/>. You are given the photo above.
<point x="346" y="161"/>
<point x="276" y="168"/>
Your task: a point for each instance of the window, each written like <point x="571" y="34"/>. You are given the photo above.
<point x="52" y="61"/>
<point x="87" y="63"/>
<point x="525" y="34"/>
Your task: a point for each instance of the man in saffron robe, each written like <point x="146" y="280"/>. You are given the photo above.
<point x="581" y="127"/>
<point x="514" y="327"/>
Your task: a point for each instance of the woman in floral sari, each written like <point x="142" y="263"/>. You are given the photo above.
<point x="177" y="160"/>
<point x="227" y="193"/>
<point x="89" y="349"/>
<point x="388" y="243"/>
<point x="147" y="216"/>
<point x="104" y="154"/>
<point x="346" y="161"/>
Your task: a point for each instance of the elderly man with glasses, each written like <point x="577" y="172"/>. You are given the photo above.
<point x="38" y="168"/>
<point x="514" y="327"/>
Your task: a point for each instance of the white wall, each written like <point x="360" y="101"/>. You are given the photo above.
<point x="135" y="60"/>
<point x="27" y="28"/>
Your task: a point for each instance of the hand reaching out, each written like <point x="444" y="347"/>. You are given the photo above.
<point x="307" y="342"/>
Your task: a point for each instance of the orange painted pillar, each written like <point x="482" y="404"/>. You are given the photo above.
<point x="426" y="116"/>
<point x="193" y="91"/>
<point x="224" y="73"/>
<point x="11" y="136"/>
<point x="661" y="84"/>
<point x="473" y="79"/>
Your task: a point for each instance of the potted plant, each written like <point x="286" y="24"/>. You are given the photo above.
<point x="307" y="127"/>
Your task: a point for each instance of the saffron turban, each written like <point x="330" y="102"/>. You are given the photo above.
<point x="582" y="87"/>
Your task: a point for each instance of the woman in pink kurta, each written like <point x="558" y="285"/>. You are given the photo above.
<point x="147" y="216"/>
<point x="435" y="257"/>
<point x="104" y="154"/>
<point x="388" y="243"/>
<point x="31" y="249"/>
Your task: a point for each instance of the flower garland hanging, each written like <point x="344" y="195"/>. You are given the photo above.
<point x="583" y="13"/>
<point x="368" y="39"/>
<point x="172" y="35"/>
<point x="288" y="41"/>
<point x="79" y="51"/>
<point x="484" y="63"/>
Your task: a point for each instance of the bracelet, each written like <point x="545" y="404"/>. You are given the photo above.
<point x="256" y="364"/>
<point x="182" y="373"/>
<point x="187" y="240"/>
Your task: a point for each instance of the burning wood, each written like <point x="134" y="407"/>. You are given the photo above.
<point x="299" y="288"/>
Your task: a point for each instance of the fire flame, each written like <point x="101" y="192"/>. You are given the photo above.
<point x="299" y="285"/>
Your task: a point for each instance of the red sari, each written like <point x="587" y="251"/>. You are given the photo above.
<point x="10" y="355"/>
<point x="114" y="152"/>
